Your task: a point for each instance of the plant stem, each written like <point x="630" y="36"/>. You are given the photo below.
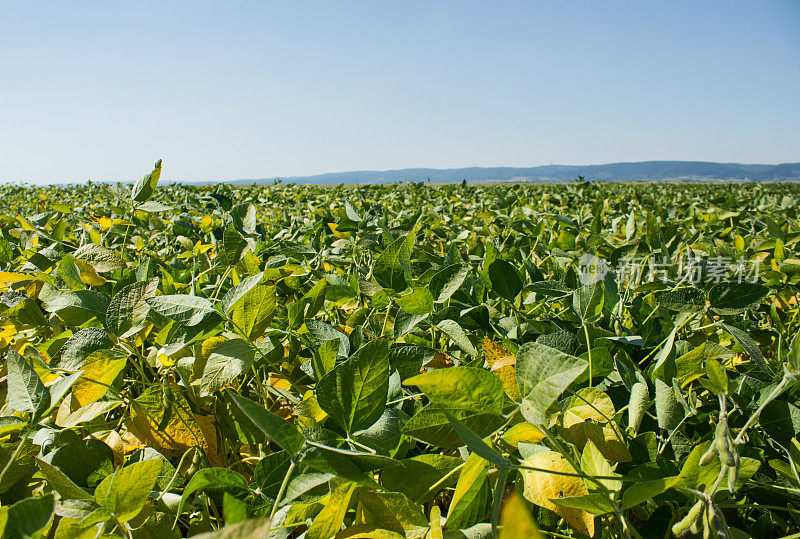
<point x="16" y="452"/>
<point x="282" y="490"/>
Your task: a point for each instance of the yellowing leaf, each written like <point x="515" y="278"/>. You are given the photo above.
<point x="522" y="432"/>
<point x="590" y="416"/>
<point x="540" y="487"/>
<point x="104" y="222"/>
<point x="493" y="351"/>
<point x="99" y="371"/>
<point x="516" y="521"/>
<point x="174" y="429"/>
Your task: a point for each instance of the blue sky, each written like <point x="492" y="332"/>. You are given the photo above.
<point x="225" y="90"/>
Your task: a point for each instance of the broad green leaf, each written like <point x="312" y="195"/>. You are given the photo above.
<point x="587" y="302"/>
<point x="594" y="503"/>
<point x="125" y="492"/>
<point x="75" y="308"/>
<point x="101" y="258"/>
<point x="453" y="329"/>
<point x="279" y="430"/>
<point x="80" y="346"/>
<point x="447" y="281"/>
<point x="684" y="299"/>
<point x="26" y="392"/>
<point x="471" y="494"/>
<point x="419" y="301"/>
<point x="393" y="265"/>
<point x="750" y="346"/>
<point x="645" y="490"/>
<point x="543" y="373"/>
<point x="505" y="279"/>
<point x="146" y="185"/>
<point x="734" y="298"/>
<point x="394" y="511"/>
<point x="431" y="425"/>
<point x="183" y="309"/>
<point x="28" y="517"/>
<point x="228" y="360"/>
<point x="128" y="309"/>
<point x="475" y="443"/>
<point x="415" y="476"/>
<point x="354" y="392"/>
<point x="213" y="481"/>
<point x="462" y="387"/>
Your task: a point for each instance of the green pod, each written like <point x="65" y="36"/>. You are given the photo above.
<point x="691" y="518"/>
<point x="733" y="471"/>
<point x="709" y="455"/>
<point x="724" y="443"/>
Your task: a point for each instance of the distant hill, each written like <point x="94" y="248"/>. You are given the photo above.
<point x="641" y="171"/>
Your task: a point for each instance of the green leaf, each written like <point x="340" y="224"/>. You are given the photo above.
<point x="594" y="503"/>
<point x="431" y="425"/>
<point x="354" y="392"/>
<point x="462" y="387"/>
<point x="182" y="308"/>
<point x="214" y="481"/>
<point x="717" y="378"/>
<point x="329" y="521"/>
<point x="750" y="346"/>
<point x="453" y="329"/>
<point x="446" y="282"/>
<point x="26" y="392"/>
<point x="394" y="511"/>
<point x="645" y="490"/>
<point x="684" y="299"/>
<point x="102" y="259"/>
<point x="125" y="492"/>
<point x="505" y="279"/>
<point x="587" y="302"/>
<point x="228" y="360"/>
<point x="253" y="312"/>
<point x="420" y="301"/>
<point x="75" y="308"/>
<point x="734" y="298"/>
<point x="543" y="373"/>
<point x="146" y="185"/>
<point x="475" y="443"/>
<point x="238" y="292"/>
<point x="26" y="518"/>
<point x="128" y="309"/>
<point x="394" y="264"/>
<point x="278" y="430"/>
<point x="80" y="346"/>
<point x="62" y="484"/>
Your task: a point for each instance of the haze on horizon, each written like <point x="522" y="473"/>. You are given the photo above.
<point x="232" y="90"/>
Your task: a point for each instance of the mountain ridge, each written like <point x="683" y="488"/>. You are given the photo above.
<point x="622" y="171"/>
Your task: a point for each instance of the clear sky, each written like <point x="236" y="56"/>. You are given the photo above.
<point x="226" y="90"/>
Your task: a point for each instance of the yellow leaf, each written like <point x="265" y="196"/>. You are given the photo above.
<point x="179" y="430"/>
<point x="522" y="432"/>
<point x="516" y="520"/>
<point x="89" y="274"/>
<point x="493" y="351"/>
<point x="99" y="371"/>
<point x="121" y="445"/>
<point x="540" y="487"/>
<point x="104" y="222"/>
<point x="590" y="416"/>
